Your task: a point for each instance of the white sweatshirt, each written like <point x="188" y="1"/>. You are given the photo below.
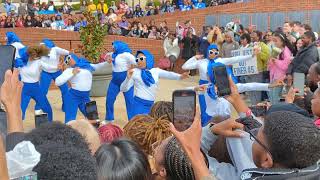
<point x="53" y="59"/>
<point x="18" y="46"/>
<point x="31" y="72"/>
<point x="81" y="81"/>
<point x="123" y="62"/>
<point x="143" y="91"/>
<point x="202" y="64"/>
<point x="171" y="48"/>
<point x="221" y="107"/>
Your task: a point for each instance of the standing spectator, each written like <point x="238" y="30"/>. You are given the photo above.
<point x="22" y="9"/>
<point x="171" y="49"/>
<point x="30" y="8"/>
<point x="83" y="6"/>
<point x="70" y="25"/>
<point x="167" y="8"/>
<point x="245" y="41"/>
<point x="9" y="6"/>
<point x="203" y="41"/>
<point x="215" y="37"/>
<point x="186" y="6"/>
<point x="129" y="14"/>
<point x="124" y="25"/>
<point x="46" y="23"/>
<point x="114" y="7"/>
<point x="189" y="47"/>
<point x="307" y="56"/>
<point x="199" y="5"/>
<point x="262" y="60"/>
<point x="66" y="8"/>
<point x="287" y="30"/>
<point x="111" y="15"/>
<point x="44" y="6"/>
<point x="187" y="28"/>
<point x="29" y="22"/>
<point x="92" y="8"/>
<point x="150" y="5"/>
<point x="37" y="22"/>
<point x="123" y="7"/>
<point x="145" y="31"/>
<point x="103" y="7"/>
<point x="278" y="66"/>
<point x="138" y="12"/>
<point x="296" y="29"/>
<point x="154" y="34"/>
<point x="229" y="45"/>
<point x="268" y="40"/>
<point x="53" y="24"/>
<point x="19" y="22"/>
<point x="51" y="6"/>
<point x="299" y="45"/>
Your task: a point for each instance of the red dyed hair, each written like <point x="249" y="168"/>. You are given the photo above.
<point x="109" y="132"/>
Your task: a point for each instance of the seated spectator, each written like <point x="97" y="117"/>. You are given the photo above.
<point x="167" y="8"/>
<point x="164" y="33"/>
<point x="134" y="31"/>
<point x="145" y="31"/>
<point x="70" y="25"/>
<point x="103" y="7"/>
<point x="122" y="159"/>
<point x="124" y="25"/>
<point x="66" y="8"/>
<point x="129" y="13"/>
<point x="19" y="22"/>
<point x="46" y="23"/>
<point x="37" y="22"/>
<point x="9" y="23"/>
<point x="163" y="26"/>
<point x="80" y="23"/>
<point x="115" y="29"/>
<point x="111" y="15"/>
<point x="31" y="10"/>
<point x="92" y="8"/>
<point x="229" y="45"/>
<point x="109" y="133"/>
<point x="59" y="22"/>
<point x="152" y="23"/>
<point x="123" y="7"/>
<point x="22" y="9"/>
<point x="44" y="6"/>
<point x="154" y="34"/>
<point x="186" y="6"/>
<point x="2" y="21"/>
<point x="51" y="6"/>
<point x="199" y="5"/>
<point x="114" y="7"/>
<point x="29" y="22"/>
<point x="138" y="12"/>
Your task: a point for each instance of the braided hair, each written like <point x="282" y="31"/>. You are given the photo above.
<point x="162" y="108"/>
<point x="177" y="163"/>
<point x="109" y="132"/>
<point x="145" y="130"/>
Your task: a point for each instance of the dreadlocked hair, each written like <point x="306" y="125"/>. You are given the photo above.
<point x="162" y="108"/>
<point x="109" y="132"/>
<point x="177" y="163"/>
<point x="35" y="52"/>
<point x="145" y="130"/>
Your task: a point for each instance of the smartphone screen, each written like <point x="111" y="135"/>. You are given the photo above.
<point x="92" y="110"/>
<point x="41" y="119"/>
<point x="7" y="55"/>
<point x="298" y="82"/>
<point x="222" y="80"/>
<point x="259" y="110"/>
<point x="184" y="108"/>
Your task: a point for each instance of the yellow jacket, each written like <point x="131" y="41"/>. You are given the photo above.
<point x="104" y="9"/>
<point x="92" y="8"/>
<point x="263" y="57"/>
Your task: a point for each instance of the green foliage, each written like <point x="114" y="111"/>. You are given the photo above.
<point x="92" y="37"/>
<point x="156" y="2"/>
<point x="75" y="7"/>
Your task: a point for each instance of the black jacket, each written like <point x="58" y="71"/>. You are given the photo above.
<point x="304" y="59"/>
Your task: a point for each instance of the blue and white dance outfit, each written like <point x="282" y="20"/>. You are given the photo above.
<point x="202" y="66"/>
<point x="51" y="73"/>
<point x="81" y="83"/>
<point x="14" y="40"/>
<point x="145" y="82"/>
<point x="121" y="61"/>
<point x="30" y="76"/>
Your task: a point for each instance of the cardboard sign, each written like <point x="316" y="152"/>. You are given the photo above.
<point x="247" y="67"/>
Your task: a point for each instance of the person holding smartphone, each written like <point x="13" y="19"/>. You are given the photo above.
<point x="30" y="67"/>
<point x="121" y="61"/>
<point x="79" y="73"/>
<point x="49" y="74"/>
<point x="13" y="40"/>
<point x="205" y="64"/>
<point x="145" y="79"/>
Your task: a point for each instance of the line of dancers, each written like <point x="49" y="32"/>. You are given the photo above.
<point x="134" y="76"/>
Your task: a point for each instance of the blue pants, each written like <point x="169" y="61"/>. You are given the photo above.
<point x="205" y="118"/>
<point x="45" y="82"/>
<point x="32" y="90"/>
<point x="112" y="93"/>
<point x="77" y="99"/>
<point x="141" y="106"/>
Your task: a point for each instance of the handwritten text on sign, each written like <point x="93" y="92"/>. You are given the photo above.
<point x="244" y="67"/>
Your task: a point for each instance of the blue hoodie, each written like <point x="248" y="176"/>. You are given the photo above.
<point x="12" y="38"/>
<point x="24" y="58"/>
<point x="82" y="63"/>
<point x="49" y="43"/>
<point x="119" y="48"/>
<point x="146" y="75"/>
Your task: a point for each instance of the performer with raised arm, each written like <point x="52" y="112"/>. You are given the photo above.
<point x="205" y="65"/>
<point x="49" y="74"/>
<point x="122" y="59"/>
<point x="13" y="40"/>
<point x="30" y="67"/>
<point x="79" y="74"/>
<point x="145" y="79"/>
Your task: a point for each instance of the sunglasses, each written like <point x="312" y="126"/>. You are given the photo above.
<point x="253" y="137"/>
<point x="214" y="52"/>
<point x="67" y="60"/>
<point x="140" y="58"/>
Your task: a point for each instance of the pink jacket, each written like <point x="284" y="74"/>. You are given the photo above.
<point x="279" y="68"/>
<point x="317" y="123"/>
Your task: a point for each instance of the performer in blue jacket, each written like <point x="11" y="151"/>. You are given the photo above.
<point x="30" y="66"/>
<point x="79" y="74"/>
<point x="14" y="40"/>
<point x="49" y="74"/>
<point x="145" y="80"/>
<point x="122" y="59"/>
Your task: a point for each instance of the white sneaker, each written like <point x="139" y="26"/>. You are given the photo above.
<point x="38" y="112"/>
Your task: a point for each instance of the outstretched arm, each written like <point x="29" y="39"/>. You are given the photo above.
<point x="128" y="82"/>
<point x="234" y="60"/>
<point x="168" y="75"/>
<point x="100" y="66"/>
<point x="65" y="76"/>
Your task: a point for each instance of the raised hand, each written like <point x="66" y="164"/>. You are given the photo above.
<point x="227" y="128"/>
<point x="277" y="83"/>
<point x="184" y="75"/>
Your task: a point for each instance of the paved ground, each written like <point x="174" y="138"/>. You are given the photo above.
<point x="164" y="93"/>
